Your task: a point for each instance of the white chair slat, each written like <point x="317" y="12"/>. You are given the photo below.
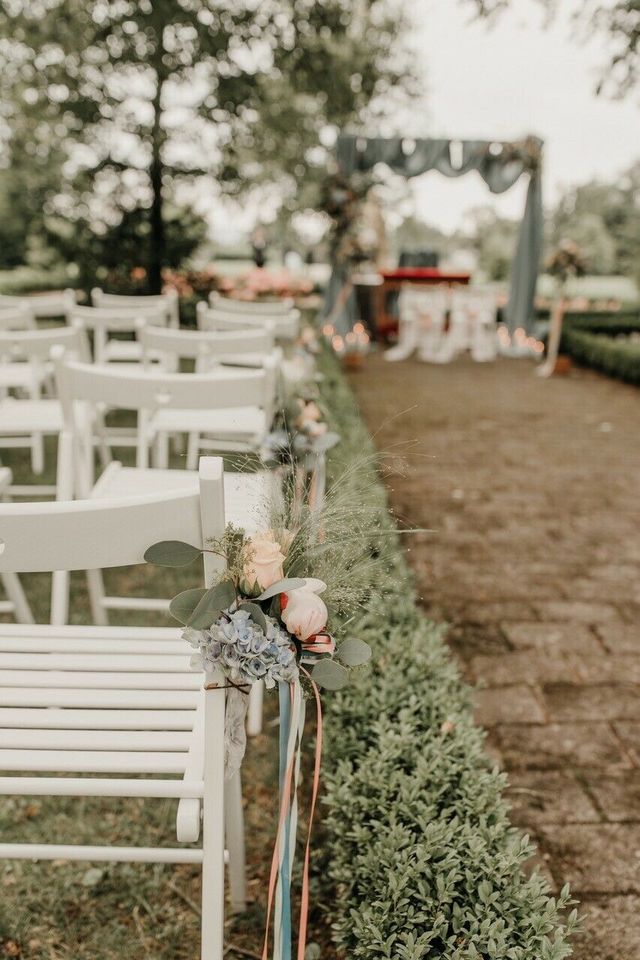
<point x="102" y="680"/>
<point x="94" y="646"/>
<point x="127" y="662"/>
<point x="73" y="851"/>
<point x="12" y="738"/>
<point x="56" y="718"/>
<point x="88" y="632"/>
<point x="99" y="787"/>
<point x="107" y="699"/>
<point x="99" y="761"/>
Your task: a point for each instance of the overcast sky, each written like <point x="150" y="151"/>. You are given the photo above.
<point x="520" y="76"/>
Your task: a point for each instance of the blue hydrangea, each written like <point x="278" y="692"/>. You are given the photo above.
<point x="240" y="648"/>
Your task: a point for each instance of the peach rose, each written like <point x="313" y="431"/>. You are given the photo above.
<point x="263" y="559"/>
<point x="305" y="614"/>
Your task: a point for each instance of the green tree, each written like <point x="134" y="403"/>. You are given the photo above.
<point x="147" y="96"/>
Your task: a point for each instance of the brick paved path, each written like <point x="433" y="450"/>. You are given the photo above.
<point x="534" y="490"/>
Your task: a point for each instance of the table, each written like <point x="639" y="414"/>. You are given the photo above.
<point x="391" y="280"/>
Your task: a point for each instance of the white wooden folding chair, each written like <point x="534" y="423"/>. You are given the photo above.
<point x="259" y="308"/>
<point x="54" y="303"/>
<point x="16" y="603"/>
<point x="98" y="702"/>
<point x="109" y="323"/>
<point x="286" y="325"/>
<point x="208" y="349"/>
<point x="25" y="422"/>
<point x="167" y="302"/>
<point x="231" y="408"/>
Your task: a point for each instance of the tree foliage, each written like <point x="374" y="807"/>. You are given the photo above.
<point x="145" y="98"/>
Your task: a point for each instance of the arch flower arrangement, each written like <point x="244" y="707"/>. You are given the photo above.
<point x="275" y="614"/>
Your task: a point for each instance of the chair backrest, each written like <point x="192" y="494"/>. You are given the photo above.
<point x="206" y="345"/>
<point x="16" y="318"/>
<point x="56" y="303"/>
<point x="38" y="344"/>
<point x="92" y="534"/>
<point x="137" y="389"/>
<point x="167" y="302"/>
<point x="259" y="308"/>
<point x="285" y="326"/>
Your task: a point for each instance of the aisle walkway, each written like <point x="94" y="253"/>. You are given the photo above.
<point x="534" y="491"/>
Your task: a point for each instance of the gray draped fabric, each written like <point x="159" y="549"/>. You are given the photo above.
<point x="498" y="169"/>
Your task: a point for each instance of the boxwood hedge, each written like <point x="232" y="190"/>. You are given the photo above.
<point x="421" y="860"/>
<point x="617" y="358"/>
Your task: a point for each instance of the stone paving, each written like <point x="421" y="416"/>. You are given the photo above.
<point x="533" y="490"/>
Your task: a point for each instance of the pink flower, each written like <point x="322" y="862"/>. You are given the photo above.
<point x="263" y="559"/>
<point x="305" y="614"/>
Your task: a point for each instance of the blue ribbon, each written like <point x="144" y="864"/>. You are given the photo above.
<point x="285" y="873"/>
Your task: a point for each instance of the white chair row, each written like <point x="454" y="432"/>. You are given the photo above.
<point x="441" y="322"/>
<point x="118" y="712"/>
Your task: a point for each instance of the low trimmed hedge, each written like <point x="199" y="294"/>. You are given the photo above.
<point x="420" y="858"/>
<point x="617" y="358"/>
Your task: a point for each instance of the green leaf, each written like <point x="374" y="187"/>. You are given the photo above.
<point x="353" y="652"/>
<point x="213" y="601"/>
<point x="181" y="607"/>
<point x="255" y="613"/>
<point x="330" y="675"/>
<point x="282" y="586"/>
<point x="171" y="553"/>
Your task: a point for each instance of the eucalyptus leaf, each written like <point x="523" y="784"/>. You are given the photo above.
<point x="282" y="586"/>
<point x="213" y="601"/>
<point x="171" y="553"/>
<point x="329" y="674"/>
<point x="255" y="613"/>
<point x="181" y="607"/>
<point x="353" y="652"/>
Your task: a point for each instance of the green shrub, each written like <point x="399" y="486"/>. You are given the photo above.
<point x="23" y="280"/>
<point x="420" y="858"/>
<point x="617" y="358"/>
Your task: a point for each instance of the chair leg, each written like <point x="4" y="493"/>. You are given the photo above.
<point x="254" y="713"/>
<point x="212" y="934"/>
<point x="15" y="593"/>
<point x="161" y="451"/>
<point x="193" y="450"/>
<point x="96" y="598"/>
<point x="60" y="597"/>
<point x="37" y="453"/>
<point x="234" y="831"/>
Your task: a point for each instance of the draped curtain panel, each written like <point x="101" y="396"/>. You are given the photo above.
<point x="499" y="165"/>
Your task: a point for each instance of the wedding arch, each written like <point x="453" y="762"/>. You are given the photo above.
<point x="499" y="163"/>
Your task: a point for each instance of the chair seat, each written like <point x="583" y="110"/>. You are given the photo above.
<point x="248" y="424"/>
<point x="22" y="375"/>
<point x="126" y="350"/>
<point x="18" y="417"/>
<point x="247" y="495"/>
<point x="82" y="700"/>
